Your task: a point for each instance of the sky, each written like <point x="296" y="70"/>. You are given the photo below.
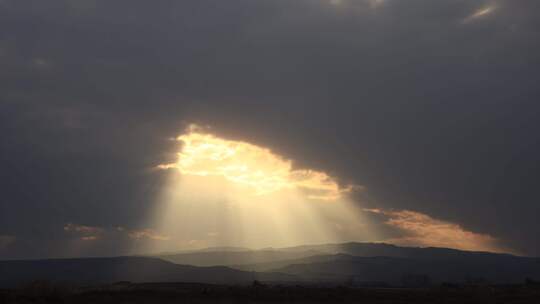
<point x="410" y="122"/>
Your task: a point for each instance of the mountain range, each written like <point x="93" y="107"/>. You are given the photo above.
<point x="374" y="264"/>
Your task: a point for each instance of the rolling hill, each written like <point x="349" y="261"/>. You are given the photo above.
<point x="398" y="271"/>
<point x="373" y="262"/>
<point x="134" y="269"/>
<point x="357" y="263"/>
<point x="239" y="258"/>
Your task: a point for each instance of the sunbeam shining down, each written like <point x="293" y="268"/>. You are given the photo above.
<point x="228" y="192"/>
<point x="269" y="151"/>
<point x="223" y="192"/>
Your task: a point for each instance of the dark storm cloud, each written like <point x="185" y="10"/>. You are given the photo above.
<point x="430" y="109"/>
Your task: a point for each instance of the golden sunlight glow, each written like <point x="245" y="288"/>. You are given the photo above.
<point x="482" y="12"/>
<point x="223" y="192"/>
<point x="249" y="165"/>
<point x="420" y="229"/>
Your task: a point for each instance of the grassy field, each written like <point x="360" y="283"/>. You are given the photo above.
<point x="43" y="292"/>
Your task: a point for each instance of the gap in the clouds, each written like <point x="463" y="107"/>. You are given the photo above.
<point x="232" y="193"/>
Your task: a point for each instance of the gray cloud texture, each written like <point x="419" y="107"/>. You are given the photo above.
<point x="429" y="104"/>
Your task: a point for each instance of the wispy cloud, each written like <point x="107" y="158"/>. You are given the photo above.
<point x="83" y="229"/>
<point x="93" y="233"/>
<point x="371" y="3"/>
<point x="85" y="233"/>
<point x="480" y="13"/>
<point x="147" y="234"/>
<point x="420" y="229"/>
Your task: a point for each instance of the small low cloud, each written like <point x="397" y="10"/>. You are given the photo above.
<point x="93" y="233"/>
<point x="480" y="13"/>
<point x="41" y="63"/>
<point x="370" y="3"/>
<point x="90" y="238"/>
<point x="6" y="240"/>
<point x="83" y="229"/>
<point x="147" y="234"/>
<point x="85" y="233"/>
<point x="420" y="229"/>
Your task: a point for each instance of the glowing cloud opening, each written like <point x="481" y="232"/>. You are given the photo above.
<point x="223" y="192"/>
<point x="204" y="154"/>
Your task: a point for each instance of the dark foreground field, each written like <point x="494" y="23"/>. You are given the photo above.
<point x="203" y="293"/>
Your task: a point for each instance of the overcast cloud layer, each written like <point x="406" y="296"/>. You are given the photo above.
<point x="433" y="106"/>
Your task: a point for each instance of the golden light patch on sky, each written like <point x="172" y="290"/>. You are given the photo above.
<point x="256" y="167"/>
<point x="422" y="230"/>
<point x="482" y="12"/>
